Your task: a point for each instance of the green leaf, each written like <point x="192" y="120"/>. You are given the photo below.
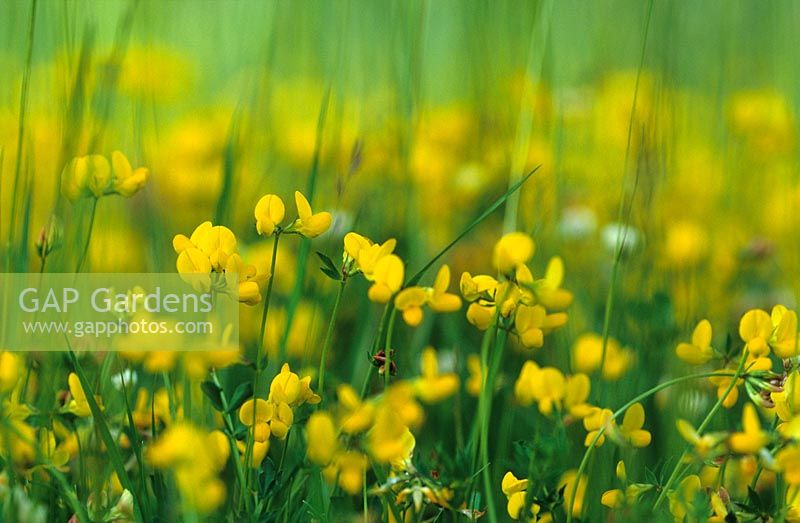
<point x="485" y="214"/>
<point x="332" y="274"/>
<point x="242" y="392"/>
<point x="327" y="261"/>
<point x="214" y="393"/>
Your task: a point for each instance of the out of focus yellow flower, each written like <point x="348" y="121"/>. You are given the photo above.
<point x="631" y="427"/>
<point x="321" y="437"/>
<point x="94" y="176"/>
<point x="755" y="329"/>
<point x="699" y="351"/>
<point x="704" y="444"/>
<point x="512" y="250"/>
<point x="11" y="369"/>
<point x="145" y="410"/>
<point x="546" y="386"/>
<point x="597" y="419"/>
<point x="269" y="214"/>
<point x="195" y="457"/>
<point x="348" y="467"/>
<point x="752" y="438"/>
<point x="567" y="481"/>
<point x="475" y="380"/>
<point x="548" y="290"/>
<point x="587" y="355"/>
<point x="308" y="223"/>
<point x="686" y="244"/>
<point x="85" y="176"/>
<point x="387" y="278"/>
<point x="411" y="300"/>
<point x="578" y="387"/>
<point x="356" y="415"/>
<point x="682" y="498"/>
<point x="431" y="386"/>
<point x="125" y="180"/>
<point x="787" y="460"/>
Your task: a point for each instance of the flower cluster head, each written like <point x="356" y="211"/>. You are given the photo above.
<point x="212" y="250"/>
<point x="551" y="390"/>
<point x="411" y="300"/>
<point x="516" y="494"/>
<point x="777" y="331"/>
<point x="270" y="211"/>
<point x="274" y="416"/>
<point x="344" y="439"/>
<point x="629" y="432"/>
<point x="386" y="271"/>
<point x="534" y="305"/>
<point x="376" y="262"/>
<point x="196" y="457"/>
<point x="94" y="176"/>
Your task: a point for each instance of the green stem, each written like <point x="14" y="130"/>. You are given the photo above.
<point x="387" y="366"/>
<point x="329" y="337"/>
<point x="260" y="349"/>
<point x="226" y="418"/>
<point x="644" y="395"/>
<point x="675" y="471"/>
<point x="88" y="236"/>
<point x="485" y="415"/>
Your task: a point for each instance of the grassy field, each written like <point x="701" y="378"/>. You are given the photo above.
<point x="497" y="261"/>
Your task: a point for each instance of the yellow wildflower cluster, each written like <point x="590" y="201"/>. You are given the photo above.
<point x="94" y="176"/>
<point x="529" y="302"/>
<point x="275" y="415"/>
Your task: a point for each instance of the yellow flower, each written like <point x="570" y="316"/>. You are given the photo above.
<point x="548" y="289"/>
<point x="514" y="489"/>
<point x="593" y="422"/>
<point x="269" y="214"/>
<point x="682" y="498"/>
<point x="433" y="387"/>
<point x="755" y="329"/>
<point x="86" y="176"/>
<point x="784" y="337"/>
<point x="787" y="401"/>
<point x="356" y="415"/>
<point x="126" y="181"/>
<point x="475" y="380"/>
<point x="704" y="444"/>
<point x="577" y="392"/>
<point x="699" y="351"/>
<point x="631" y="428"/>
<point x="411" y="300"/>
<point x="309" y="224"/>
<point x="587" y="356"/>
<point x="787" y="460"/>
<point x="533" y="322"/>
<point x="79" y="404"/>
<point x="287" y="387"/>
<point x="366" y="254"/>
<point x="546" y="386"/>
<point x="207" y="249"/>
<point x="752" y="438"/>
<point x="474" y="288"/>
<point x="11" y="369"/>
<point x="387" y="278"/>
<point x="348" y="467"/>
<point x="512" y="250"/>
<point x="321" y="436"/>
<point x="195" y="457"/>
<point x="480" y="315"/>
<point x="568" y="480"/>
